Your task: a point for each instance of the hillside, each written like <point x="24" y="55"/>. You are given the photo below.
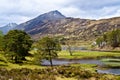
<point x="55" y="23"/>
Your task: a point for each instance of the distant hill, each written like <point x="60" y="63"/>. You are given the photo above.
<point x="8" y="27"/>
<point x="56" y="24"/>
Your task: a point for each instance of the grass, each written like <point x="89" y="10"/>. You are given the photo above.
<point x="29" y="66"/>
<point x="61" y="78"/>
<point x="10" y="66"/>
<point x="87" y="54"/>
<point x="89" y="67"/>
<point x="109" y="62"/>
<point x="3" y="59"/>
<point x="5" y="64"/>
<point x="112" y="64"/>
<point x="84" y="65"/>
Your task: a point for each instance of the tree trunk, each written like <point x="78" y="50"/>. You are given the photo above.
<point x="50" y="59"/>
<point x="69" y="49"/>
<point x="16" y="59"/>
<point x="51" y="62"/>
<point x="12" y="58"/>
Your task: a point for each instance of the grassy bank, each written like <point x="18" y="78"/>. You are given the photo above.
<point x="110" y="62"/>
<point x="10" y="66"/>
<point x="87" y="54"/>
<point x="6" y="64"/>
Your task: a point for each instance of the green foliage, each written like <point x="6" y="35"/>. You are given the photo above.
<point x="111" y="38"/>
<point x="1" y="41"/>
<point x="114" y="38"/>
<point x="1" y="33"/>
<point x="47" y="48"/>
<point x="18" y="43"/>
<point x="99" y="41"/>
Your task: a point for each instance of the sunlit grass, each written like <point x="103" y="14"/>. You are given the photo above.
<point x="87" y="54"/>
<point x="17" y="66"/>
<point x="61" y="78"/>
<point x="5" y="64"/>
<point x="111" y="62"/>
<point x="89" y="67"/>
<point x="2" y="58"/>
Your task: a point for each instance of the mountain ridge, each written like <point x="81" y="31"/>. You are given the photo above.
<point x="55" y="23"/>
<point x="40" y="20"/>
<point x="75" y="28"/>
<point x="8" y="27"/>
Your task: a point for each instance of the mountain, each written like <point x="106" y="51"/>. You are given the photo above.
<point x="55" y="24"/>
<point x="8" y="27"/>
<point x="76" y="28"/>
<point x="41" y="20"/>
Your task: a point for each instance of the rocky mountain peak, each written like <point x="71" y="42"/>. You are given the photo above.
<point x="52" y="15"/>
<point x="11" y="25"/>
<point x="41" y="20"/>
<point x="56" y="13"/>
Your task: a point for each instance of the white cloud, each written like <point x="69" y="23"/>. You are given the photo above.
<point x="22" y="10"/>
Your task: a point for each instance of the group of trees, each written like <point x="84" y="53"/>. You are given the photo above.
<point x="17" y="43"/>
<point x="111" y="38"/>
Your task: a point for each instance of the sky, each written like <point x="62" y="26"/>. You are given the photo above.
<point x="19" y="11"/>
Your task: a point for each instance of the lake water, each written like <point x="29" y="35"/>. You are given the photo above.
<point x="74" y="48"/>
<point x="67" y="62"/>
<point x="110" y="71"/>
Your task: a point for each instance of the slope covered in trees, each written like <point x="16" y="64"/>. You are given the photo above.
<point x="111" y="38"/>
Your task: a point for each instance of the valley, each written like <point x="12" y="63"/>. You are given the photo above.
<point x="55" y="47"/>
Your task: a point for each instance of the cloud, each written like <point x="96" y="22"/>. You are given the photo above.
<point x="94" y="4"/>
<point x="93" y="9"/>
<point x="22" y="10"/>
